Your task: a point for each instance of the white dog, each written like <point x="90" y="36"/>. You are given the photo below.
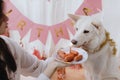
<point x="102" y="63"/>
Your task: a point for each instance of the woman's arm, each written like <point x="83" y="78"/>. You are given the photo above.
<point x="30" y="66"/>
<point x="27" y="64"/>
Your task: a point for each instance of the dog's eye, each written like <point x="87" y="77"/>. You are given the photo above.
<point x="76" y="29"/>
<point x="85" y="31"/>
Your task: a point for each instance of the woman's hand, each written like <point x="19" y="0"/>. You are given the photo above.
<point x="52" y="67"/>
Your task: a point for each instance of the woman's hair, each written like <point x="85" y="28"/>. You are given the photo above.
<point x="7" y="61"/>
<point x="1" y="10"/>
<point x="1" y="7"/>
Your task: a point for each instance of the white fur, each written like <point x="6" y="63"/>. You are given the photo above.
<point x="101" y="64"/>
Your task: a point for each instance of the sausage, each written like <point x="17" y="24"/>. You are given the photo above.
<point x="69" y="58"/>
<point x="62" y="54"/>
<point x="74" y="52"/>
<point x="77" y="58"/>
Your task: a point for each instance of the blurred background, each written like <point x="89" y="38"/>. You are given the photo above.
<point x="50" y="12"/>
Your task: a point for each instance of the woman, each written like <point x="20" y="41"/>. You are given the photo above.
<point x="14" y="60"/>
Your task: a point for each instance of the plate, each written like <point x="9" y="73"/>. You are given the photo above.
<point x="67" y="50"/>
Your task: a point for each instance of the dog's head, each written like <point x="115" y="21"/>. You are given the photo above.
<point x="89" y="31"/>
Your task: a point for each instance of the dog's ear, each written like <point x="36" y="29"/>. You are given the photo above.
<point x="95" y="25"/>
<point x="97" y="20"/>
<point x="74" y="17"/>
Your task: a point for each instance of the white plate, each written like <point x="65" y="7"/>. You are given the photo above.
<point x="79" y="50"/>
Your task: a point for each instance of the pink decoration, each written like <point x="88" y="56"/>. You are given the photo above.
<point x="16" y="20"/>
<point x="19" y="22"/>
<point x="70" y="25"/>
<point x="93" y="7"/>
<point x="59" y="31"/>
<point x="39" y="32"/>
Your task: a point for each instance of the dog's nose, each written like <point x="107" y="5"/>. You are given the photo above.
<point x="74" y="42"/>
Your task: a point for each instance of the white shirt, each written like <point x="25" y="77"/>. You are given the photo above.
<point x="27" y="64"/>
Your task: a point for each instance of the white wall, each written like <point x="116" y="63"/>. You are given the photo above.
<point x="111" y="18"/>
